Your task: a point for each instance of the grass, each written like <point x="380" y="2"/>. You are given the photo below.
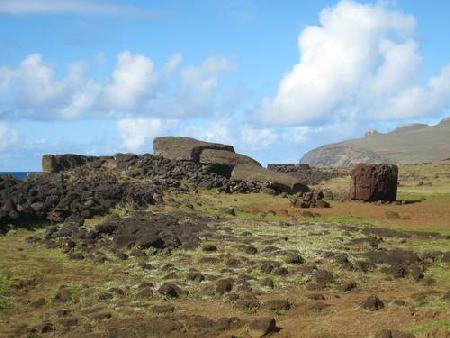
<point x="5" y="290"/>
<point x="351" y="220"/>
<point x="424" y="328"/>
<point x="420" y="245"/>
<point x="404" y="194"/>
<point x="440" y="273"/>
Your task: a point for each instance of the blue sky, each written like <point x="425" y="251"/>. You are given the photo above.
<point x="101" y="77"/>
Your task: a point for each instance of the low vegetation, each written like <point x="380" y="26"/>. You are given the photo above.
<point x="257" y="257"/>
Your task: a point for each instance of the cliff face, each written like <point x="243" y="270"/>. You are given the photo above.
<point x="414" y="143"/>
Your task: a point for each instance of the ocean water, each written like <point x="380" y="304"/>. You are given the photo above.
<point x="21" y="175"/>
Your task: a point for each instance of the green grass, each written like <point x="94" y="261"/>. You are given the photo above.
<point x="351" y="220"/>
<point x="421" y="245"/>
<point x="423" y="195"/>
<point x="423" y="328"/>
<point x="441" y="273"/>
<point x="5" y="290"/>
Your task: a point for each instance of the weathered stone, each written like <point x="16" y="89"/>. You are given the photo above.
<point x="58" y="163"/>
<point x="262" y="326"/>
<point x="184" y="148"/>
<point x="373" y="303"/>
<point x="373" y="182"/>
<point x="277" y="181"/>
<point x="225" y="157"/>
<point x="224" y="285"/>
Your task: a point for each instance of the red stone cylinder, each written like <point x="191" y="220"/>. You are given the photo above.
<point x="373" y="182"/>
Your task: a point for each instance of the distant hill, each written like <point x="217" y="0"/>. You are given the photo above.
<point x="415" y="143"/>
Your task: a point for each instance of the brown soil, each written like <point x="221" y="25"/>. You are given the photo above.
<point x="419" y="215"/>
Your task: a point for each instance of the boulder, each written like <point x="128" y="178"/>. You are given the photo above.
<point x="222" y="162"/>
<point x="224" y="157"/>
<point x="184" y="148"/>
<point x="277" y="181"/>
<point x="373" y="182"/>
<point x="59" y="163"/>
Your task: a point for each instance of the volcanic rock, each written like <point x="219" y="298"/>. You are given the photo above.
<point x="373" y="182"/>
<point x="273" y="180"/>
<point x="225" y="157"/>
<point x="58" y="163"/>
<point x="184" y="148"/>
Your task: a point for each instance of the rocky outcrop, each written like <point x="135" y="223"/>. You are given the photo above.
<point x="102" y="183"/>
<point x="59" y="163"/>
<point x="156" y="168"/>
<point x="56" y="197"/>
<point x="184" y="148"/>
<point x="373" y="182"/>
<point x="273" y="180"/>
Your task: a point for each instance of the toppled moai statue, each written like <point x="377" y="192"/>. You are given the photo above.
<point x="277" y="181"/>
<point x="216" y="158"/>
<point x="310" y="199"/>
<point x="374" y="182"/>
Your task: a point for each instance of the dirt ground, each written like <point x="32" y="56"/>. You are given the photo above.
<point x="262" y="268"/>
<point x="423" y="215"/>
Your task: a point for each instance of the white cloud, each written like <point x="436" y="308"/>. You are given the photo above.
<point x="133" y="79"/>
<point x="362" y="61"/>
<point x="203" y="77"/>
<point x="39" y="86"/>
<point x="420" y="101"/>
<point x="197" y="93"/>
<point x="258" y="138"/>
<point x="36" y="90"/>
<point x="33" y="90"/>
<point x="66" y="6"/>
<point x="8" y="136"/>
<point x="136" y="132"/>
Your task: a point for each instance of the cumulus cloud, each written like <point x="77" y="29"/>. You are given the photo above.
<point x="33" y="91"/>
<point x="8" y="136"/>
<point x="422" y="100"/>
<point x="53" y="7"/>
<point x="135" y="132"/>
<point x="135" y="88"/>
<point x="133" y="79"/>
<point x="362" y="61"/>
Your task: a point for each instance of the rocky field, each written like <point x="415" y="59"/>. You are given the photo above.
<point x="151" y="246"/>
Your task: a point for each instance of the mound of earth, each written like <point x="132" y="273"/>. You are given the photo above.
<point x="415" y="143"/>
